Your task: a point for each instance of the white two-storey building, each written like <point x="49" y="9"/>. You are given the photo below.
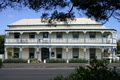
<point x="82" y="38"/>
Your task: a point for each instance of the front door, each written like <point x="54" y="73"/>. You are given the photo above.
<point x="92" y="53"/>
<point x="44" y="53"/>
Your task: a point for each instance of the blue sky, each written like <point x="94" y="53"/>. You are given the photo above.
<point x="9" y="16"/>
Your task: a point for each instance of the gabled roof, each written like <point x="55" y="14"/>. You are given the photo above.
<point x="78" y="21"/>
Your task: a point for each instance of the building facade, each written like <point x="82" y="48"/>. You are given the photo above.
<point x="82" y="38"/>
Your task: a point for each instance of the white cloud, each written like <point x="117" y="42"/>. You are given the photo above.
<point x="10" y="16"/>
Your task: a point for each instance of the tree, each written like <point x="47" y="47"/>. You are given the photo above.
<point x="118" y="46"/>
<point x="97" y="70"/>
<point x="64" y="10"/>
<point x="2" y="37"/>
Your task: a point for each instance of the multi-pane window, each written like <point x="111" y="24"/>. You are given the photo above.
<point x="76" y="35"/>
<point x="75" y="52"/>
<point x="92" y="53"/>
<point x="92" y="35"/>
<point x="59" y="53"/>
<point x="31" y="35"/>
<point x="16" y="35"/>
<point x="31" y="52"/>
<point x="59" y="34"/>
<point x="45" y="35"/>
<point x="16" y="52"/>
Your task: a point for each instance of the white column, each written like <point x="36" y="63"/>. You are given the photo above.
<point x="85" y="36"/>
<point x="20" y="54"/>
<point x="102" y="54"/>
<point x="102" y="32"/>
<point x="38" y="37"/>
<point x="5" y="53"/>
<point x="112" y="33"/>
<point x="67" y="55"/>
<point x="84" y="52"/>
<point x="21" y="33"/>
<point x="50" y="32"/>
<point x="6" y="36"/>
<point x="50" y="53"/>
<point x="38" y="53"/>
<point x="67" y="32"/>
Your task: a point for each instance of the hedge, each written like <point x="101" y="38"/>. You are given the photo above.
<point x="0" y="63"/>
<point x="15" y="61"/>
<point x="78" y="61"/>
<point x="55" y="61"/>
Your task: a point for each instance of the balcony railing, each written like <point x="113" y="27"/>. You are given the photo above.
<point x="60" y="41"/>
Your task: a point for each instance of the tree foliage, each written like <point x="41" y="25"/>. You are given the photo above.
<point x="97" y="70"/>
<point x="118" y="46"/>
<point x="64" y="10"/>
<point x="2" y="37"/>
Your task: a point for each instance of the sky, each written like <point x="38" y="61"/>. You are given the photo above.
<point x="9" y="16"/>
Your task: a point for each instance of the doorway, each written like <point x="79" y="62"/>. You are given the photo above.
<point x="92" y="53"/>
<point x="44" y="53"/>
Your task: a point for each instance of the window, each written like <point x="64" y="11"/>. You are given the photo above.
<point x="75" y="52"/>
<point x="45" y="35"/>
<point x="76" y="35"/>
<point x="59" y="53"/>
<point x="16" y="35"/>
<point x="52" y="54"/>
<point x="92" y="35"/>
<point x="31" y="52"/>
<point x="92" y="53"/>
<point x="59" y="34"/>
<point x="16" y="52"/>
<point x="105" y="35"/>
<point x="32" y="35"/>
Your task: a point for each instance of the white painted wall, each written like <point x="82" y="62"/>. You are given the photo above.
<point x="1" y="56"/>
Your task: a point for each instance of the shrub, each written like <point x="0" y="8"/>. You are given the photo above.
<point x="34" y="60"/>
<point x="15" y="60"/>
<point x="97" y="70"/>
<point x="9" y="54"/>
<point x="116" y="61"/>
<point x="0" y="63"/>
<point x="55" y="61"/>
<point x="78" y="61"/>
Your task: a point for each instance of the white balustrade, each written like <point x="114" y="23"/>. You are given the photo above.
<point x="29" y="40"/>
<point x="12" y="40"/>
<point x="63" y="40"/>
